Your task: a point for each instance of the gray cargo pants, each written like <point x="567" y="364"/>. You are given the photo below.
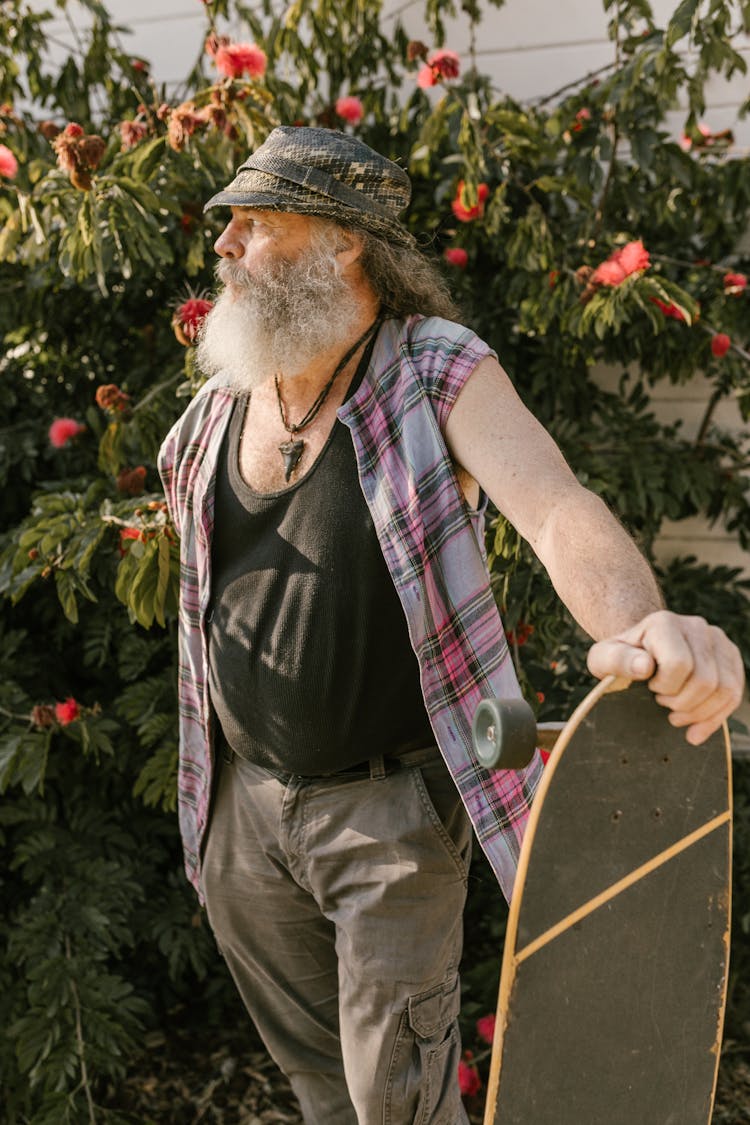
<point x="337" y="904"/>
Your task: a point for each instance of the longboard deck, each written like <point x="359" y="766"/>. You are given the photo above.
<point x="616" y="954"/>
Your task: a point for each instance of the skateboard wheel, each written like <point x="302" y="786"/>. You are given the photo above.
<point x="504" y="734"/>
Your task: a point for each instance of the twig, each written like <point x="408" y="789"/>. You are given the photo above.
<point x="570" y="85"/>
<point x="157" y="390"/>
<point x="79" y="1037"/>
<point x="13" y="715"/>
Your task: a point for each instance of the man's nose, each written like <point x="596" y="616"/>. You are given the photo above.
<point x="229" y="244"/>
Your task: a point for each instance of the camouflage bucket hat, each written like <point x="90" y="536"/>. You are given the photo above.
<point x="322" y="172"/>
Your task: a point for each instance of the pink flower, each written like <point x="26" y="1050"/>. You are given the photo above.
<point x="425" y="79"/>
<point x="8" y="163"/>
<point x="469" y="1081"/>
<point x="467" y="214"/>
<point x="720" y="344"/>
<point x="456" y="256"/>
<point x="189" y="317"/>
<point x="350" y="109"/>
<point x="64" y="430"/>
<point x="632" y="258"/>
<point x="582" y="117"/>
<point x="486" y="1028"/>
<point x="67" y="712"/>
<point x="734" y="284"/>
<point x="669" y="310"/>
<point x="446" y="63"/>
<point x="132" y="132"/>
<point x="441" y="64"/>
<point x="235" y="59"/>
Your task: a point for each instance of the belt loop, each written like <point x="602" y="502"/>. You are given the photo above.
<point x="377" y="768"/>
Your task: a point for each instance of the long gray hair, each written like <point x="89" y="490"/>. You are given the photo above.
<point x="403" y="278"/>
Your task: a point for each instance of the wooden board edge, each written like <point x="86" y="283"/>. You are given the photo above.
<point x="509" y="964"/>
<point x="728" y="933"/>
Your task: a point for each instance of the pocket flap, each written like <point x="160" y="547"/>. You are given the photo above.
<point x="433" y="1011"/>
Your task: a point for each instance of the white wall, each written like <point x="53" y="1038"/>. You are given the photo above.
<point x="529" y="47"/>
<point x="533" y="47"/>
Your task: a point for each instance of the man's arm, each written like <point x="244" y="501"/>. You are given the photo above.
<point x="594" y="565"/>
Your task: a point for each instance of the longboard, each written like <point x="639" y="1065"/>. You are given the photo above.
<point x="615" y="965"/>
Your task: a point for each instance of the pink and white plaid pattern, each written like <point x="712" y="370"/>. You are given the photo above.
<point x="433" y="545"/>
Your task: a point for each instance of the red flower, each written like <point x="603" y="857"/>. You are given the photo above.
<point x="188" y="318"/>
<point x="131" y="482"/>
<point x="183" y="122"/>
<point x="521" y="634"/>
<point x="486" y="1028"/>
<point x="553" y="276"/>
<point x="67" y="712"/>
<point x="456" y="256"/>
<point x="669" y="310"/>
<point x="350" y="109"/>
<point x="42" y="715"/>
<point x="139" y="64"/>
<point x="632" y="258"/>
<point x="73" y="129"/>
<point x="540" y="696"/>
<point x="126" y="534"/>
<point x="441" y="64"/>
<point x="720" y="344"/>
<point x="468" y="1078"/>
<point x="109" y="397"/>
<point x="582" y="116"/>
<point x="8" y="163"/>
<point x="467" y="214"/>
<point x="132" y="132"/>
<point x="235" y="59"/>
<point x="734" y="283"/>
<point x="64" y="430"/>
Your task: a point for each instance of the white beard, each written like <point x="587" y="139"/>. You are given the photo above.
<point x="277" y="320"/>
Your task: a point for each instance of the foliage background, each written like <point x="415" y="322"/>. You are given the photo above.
<point x="103" y="943"/>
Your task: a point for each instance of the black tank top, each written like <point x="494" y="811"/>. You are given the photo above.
<point x="310" y="666"/>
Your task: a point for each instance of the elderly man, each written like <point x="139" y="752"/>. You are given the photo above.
<point x="337" y="627"/>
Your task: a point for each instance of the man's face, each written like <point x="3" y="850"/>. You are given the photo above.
<point x="253" y="237"/>
<point x="285" y="300"/>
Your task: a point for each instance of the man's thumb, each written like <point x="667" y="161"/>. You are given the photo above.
<point x="618" y="658"/>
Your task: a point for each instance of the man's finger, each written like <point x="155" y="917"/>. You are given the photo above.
<point x="618" y="658"/>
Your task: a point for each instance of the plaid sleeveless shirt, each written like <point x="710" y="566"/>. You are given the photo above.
<point x="432" y="543"/>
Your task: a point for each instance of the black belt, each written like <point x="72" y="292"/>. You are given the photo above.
<point x="380" y="766"/>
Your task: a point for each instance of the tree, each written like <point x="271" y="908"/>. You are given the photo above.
<point x="575" y="230"/>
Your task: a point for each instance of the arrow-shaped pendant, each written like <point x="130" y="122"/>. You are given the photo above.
<point x="291" y="451"/>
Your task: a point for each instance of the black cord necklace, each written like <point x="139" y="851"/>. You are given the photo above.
<point x="292" y="450"/>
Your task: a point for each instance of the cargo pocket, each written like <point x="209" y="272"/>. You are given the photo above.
<point x="422" y="1087"/>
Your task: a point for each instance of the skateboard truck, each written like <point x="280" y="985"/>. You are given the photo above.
<point x="504" y="731"/>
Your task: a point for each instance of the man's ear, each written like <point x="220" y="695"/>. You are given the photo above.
<point x="351" y="248"/>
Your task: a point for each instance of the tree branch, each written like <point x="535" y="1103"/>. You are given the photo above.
<point x="81" y="1047"/>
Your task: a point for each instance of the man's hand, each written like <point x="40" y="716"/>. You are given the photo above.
<point x="692" y="668"/>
